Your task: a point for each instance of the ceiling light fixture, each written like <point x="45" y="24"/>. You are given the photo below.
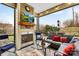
<point x="27" y="8"/>
<point x="47" y="12"/>
<point x="69" y="3"/>
<point x="40" y="14"/>
<point x="57" y="8"/>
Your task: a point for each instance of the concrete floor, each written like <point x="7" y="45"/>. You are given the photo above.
<point x="32" y="47"/>
<point x="49" y="52"/>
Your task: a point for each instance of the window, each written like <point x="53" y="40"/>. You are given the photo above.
<point x="7" y="23"/>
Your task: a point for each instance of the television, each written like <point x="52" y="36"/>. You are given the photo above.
<point x="27" y="17"/>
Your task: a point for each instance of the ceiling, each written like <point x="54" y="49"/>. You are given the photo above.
<point x="40" y="7"/>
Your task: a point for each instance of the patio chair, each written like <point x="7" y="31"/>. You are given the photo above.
<point x="38" y="39"/>
<point x="5" y="47"/>
<point x="55" y="45"/>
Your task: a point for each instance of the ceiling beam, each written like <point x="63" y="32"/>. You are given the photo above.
<point x="56" y="8"/>
<point x="12" y="5"/>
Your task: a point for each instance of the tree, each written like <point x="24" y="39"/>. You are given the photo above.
<point x="50" y="29"/>
<point x="71" y="22"/>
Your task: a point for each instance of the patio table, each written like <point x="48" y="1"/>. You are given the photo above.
<point x="47" y="43"/>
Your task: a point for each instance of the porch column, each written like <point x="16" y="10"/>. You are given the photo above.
<point x="18" y="37"/>
<point x="37" y="27"/>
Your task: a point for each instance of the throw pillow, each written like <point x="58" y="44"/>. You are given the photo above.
<point x="64" y="39"/>
<point x="69" y="49"/>
<point x="56" y="38"/>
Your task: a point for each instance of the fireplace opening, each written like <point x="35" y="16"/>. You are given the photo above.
<point x="26" y="38"/>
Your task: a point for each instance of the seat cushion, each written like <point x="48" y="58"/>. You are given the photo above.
<point x="69" y="37"/>
<point x="6" y="47"/>
<point x="3" y="37"/>
<point x="77" y="46"/>
<point x="49" y="36"/>
<point x="60" y="34"/>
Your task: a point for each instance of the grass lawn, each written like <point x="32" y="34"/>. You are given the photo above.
<point x="11" y="38"/>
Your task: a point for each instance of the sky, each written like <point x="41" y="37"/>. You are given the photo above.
<point x="62" y="16"/>
<point x="6" y="14"/>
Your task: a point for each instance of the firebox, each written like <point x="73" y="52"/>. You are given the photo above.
<point x="26" y="38"/>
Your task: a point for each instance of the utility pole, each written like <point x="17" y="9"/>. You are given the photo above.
<point x="76" y="16"/>
<point x="73" y="15"/>
<point x="38" y="23"/>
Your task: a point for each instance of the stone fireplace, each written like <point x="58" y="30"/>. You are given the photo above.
<point x="24" y="35"/>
